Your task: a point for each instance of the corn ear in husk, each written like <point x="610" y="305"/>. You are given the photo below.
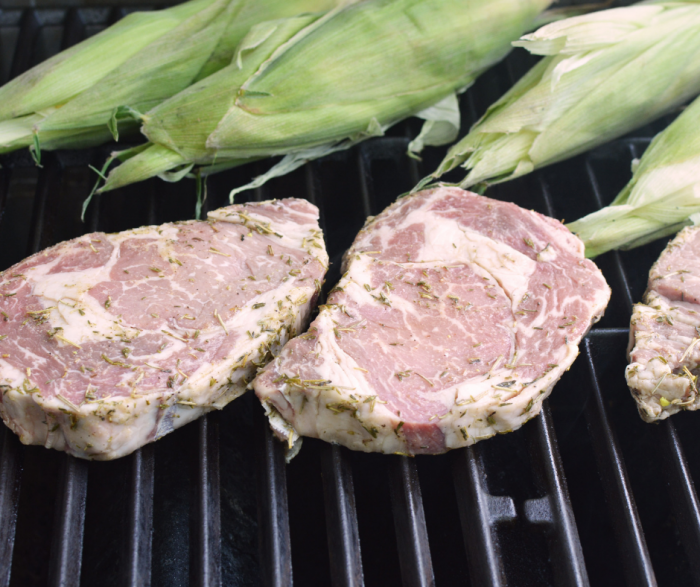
<point x="54" y="82"/>
<point x="662" y="196"/>
<point x="74" y="70"/>
<point x="305" y="89"/>
<point x="603" y="75"/>
<point x="150" y="68"/>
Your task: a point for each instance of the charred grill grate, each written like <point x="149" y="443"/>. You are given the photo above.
<point x="214" y="504"/>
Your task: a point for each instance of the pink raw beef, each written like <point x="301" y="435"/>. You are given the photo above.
<point x="456" y="316"/>
<point x="108" y="342"/>
<point x="665" y="332"/>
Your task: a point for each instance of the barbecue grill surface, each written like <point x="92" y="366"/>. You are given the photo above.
<point x="584" y="494"/>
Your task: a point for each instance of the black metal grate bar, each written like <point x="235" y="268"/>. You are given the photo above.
<point x="49" y="177"/>
<point x="480" y="513"/>
<point x="365" y="183"/>
<point x="341" y="519"/>
<point x="67" y="545"/>
<point x="684" y="499"/>
<point x="4" y="185"/>
<point x="206" y="559"/>
<point x="621" y="276"/>
<point x="409" y="521"/>
<point x="73" y="29"/>
<point x="555" y="508"/>
<point x="275" y="556"/>
<point x="10" y="476"/>
<point x="625" y="518"/>
<point x="138" y="546"/>
<point x="10" y="461"/>
<point x="24" y="50"/>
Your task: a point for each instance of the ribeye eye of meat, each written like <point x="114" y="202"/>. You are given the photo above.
<point x="455" y="317"/>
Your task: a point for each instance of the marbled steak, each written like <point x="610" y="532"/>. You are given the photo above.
<point x="108" y="342"/>
<point x="456" y="316"/>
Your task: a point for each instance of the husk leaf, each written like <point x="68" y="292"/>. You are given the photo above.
<point x="160" y="62"/>
<point x="661" y="197"/>
<point x="441" y="126"/>
<point x="604" y="75"/>
<point x="253" y="12"/>
<point x="208" y="101"/>
<point x="74" y="70"/>
<point x="162" y="69"/>
<point x="376" y="61"/>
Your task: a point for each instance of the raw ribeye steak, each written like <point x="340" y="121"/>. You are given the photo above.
<point x="110" y="341"/>
<point x="665" y="331"/>
<point x="455" y="317"/>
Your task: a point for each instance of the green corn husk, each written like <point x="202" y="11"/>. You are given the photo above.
<point x="603" y="75"/>
<point x="662" y="196"/>
<point x="74" y="70"/>
<point x="89" y="93"/>
<point x="303" y="88"/>
<point x="27" y="99"/>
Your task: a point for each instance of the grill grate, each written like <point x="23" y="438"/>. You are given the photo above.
<point x="214" y="503"/>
